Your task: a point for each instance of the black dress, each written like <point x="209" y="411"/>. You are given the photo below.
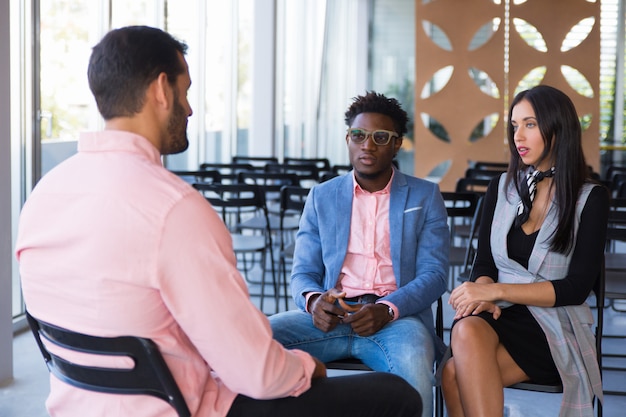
<point x="517" y="329"/>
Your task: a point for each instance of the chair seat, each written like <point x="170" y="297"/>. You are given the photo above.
<point x="530" y="386"/>
<point x="348" y="364"/>
<point x="288" y="250"/>
<point x="258" y="223"/>
<point x="248" y="243"/>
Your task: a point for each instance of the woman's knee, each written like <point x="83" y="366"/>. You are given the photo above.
<point x="471" y="330"/>
<point x="448" y="375"/>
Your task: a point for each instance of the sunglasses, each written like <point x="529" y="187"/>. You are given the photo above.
<point x="379" y="137"/>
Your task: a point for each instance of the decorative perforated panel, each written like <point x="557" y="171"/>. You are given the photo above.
<point x="472" y="56"/>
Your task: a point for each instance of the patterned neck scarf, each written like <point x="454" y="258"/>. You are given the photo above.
<point x="528" y="191"/>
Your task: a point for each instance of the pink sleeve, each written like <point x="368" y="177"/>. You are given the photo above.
<point x="209" y="299"/>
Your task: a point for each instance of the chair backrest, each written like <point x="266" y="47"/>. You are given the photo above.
<point x="293" y="198"/>
<point x="616" y="230"/>
<point x="461" y="204"/>
<point x="232" y="195"/>
<point x="149" y="376"/>
<point x="483" y="173"/>
<point x="269" y="182"/>
<point x="305" y="172"/>
<point x="489" y="165"/>
<point x="340" y="169"/>
<point x="323" y="164"/>
<point x="235" y="199"/>
<point x="470" y="253"/>
<point x="257" y="161"/>
<point x="615" y="288"/>
<point x="476" y="185"/>
<point x="228" y="171"/>
<point x="203" y="175"/>
<point x="612" y="170"/>
<point x="327" y="176"/>
<point x="227" y="167"/>
<point x="464" y="212"/>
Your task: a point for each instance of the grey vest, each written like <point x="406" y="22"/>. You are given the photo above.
<point x="568" y="329"/>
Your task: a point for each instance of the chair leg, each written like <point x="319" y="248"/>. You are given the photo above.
<point x="262" y="281"/>
<point x="283" y="273"/>
<point x="439" y="407"/>
<point x="275" y="280"/>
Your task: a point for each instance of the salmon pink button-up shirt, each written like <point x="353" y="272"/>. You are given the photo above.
<point x="110" y="243"/>
<point x="367" y="268"/>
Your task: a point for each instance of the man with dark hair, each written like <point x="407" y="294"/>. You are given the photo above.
<point x="111" y="243"/>
<point x="371" y="257"/>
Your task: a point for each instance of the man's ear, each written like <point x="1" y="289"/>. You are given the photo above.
<point x="398" y="144"/>
<point x="162" y="90"/>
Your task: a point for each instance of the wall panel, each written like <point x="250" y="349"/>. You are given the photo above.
<point x="446" y="35"/>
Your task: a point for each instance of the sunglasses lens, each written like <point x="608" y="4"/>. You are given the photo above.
<point x="380" y="137"/>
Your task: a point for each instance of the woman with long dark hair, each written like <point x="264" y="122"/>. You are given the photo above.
<point x="522" y="316"/>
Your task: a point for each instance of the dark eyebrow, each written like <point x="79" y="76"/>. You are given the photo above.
<point x="526" y="119"/>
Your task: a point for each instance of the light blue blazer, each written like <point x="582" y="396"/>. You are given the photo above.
<point x="420" y="242"/>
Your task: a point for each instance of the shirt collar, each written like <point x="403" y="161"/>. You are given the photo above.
<point x="120" y="141"/>
<point x="386" y="190"/>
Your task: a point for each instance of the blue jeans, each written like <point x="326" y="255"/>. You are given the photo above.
<point x="403" y="347"/>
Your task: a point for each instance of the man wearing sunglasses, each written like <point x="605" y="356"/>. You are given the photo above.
<point x="371" y="257"/>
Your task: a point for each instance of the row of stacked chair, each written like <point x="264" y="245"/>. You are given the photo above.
<point x="251" y="195"/>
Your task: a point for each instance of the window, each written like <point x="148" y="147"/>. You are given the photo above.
<point x="54" y="74"/>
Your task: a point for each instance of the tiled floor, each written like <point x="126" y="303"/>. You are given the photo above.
<point x="25" y="396"/>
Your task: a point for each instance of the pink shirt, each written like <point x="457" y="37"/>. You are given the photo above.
<point x="367" y="267"/>
<point x="110" y="243"/>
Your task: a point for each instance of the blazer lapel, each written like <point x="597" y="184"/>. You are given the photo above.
<point x="343" y="208"/>
<point x="397" y="203"/>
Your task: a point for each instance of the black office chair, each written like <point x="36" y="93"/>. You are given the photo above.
<point x="257" y="161"/>
<point x="615" y="287"/>
<point x="323" y="164"/>
<point x="463" y="210"/>
<point x="292" y="200"/>
<point x="475" y="185"/>
<point x="149" y="376"/>
<point x="489" y="165"/>
<point x="270" y="182"/>
<point x="308" y="174"/>
<point x="483" y="173"/>
<point x="228" y="171"/>
<point x="206" y="175"/>
<point x="238" y="205"/>
<point x="341" y="169"/>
